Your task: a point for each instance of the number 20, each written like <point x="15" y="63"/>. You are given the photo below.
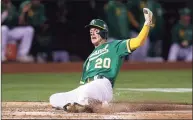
<point x="105" y="63"/>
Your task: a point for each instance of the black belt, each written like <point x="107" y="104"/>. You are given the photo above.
<point x="98" y="77"/>
<point x="92" y="78"/>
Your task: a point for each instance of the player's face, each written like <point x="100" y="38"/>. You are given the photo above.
<point x="95" y="37"/>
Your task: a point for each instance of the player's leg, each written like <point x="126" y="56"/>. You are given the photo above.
<point x="173" y="52"/>
<point x="58" y="100"/>
<point x="99" y="89"/>
<point x="25" y="35"/>
<point x="4" y="31"/>
<point x="92" y="96"/>
<point x="189" y="54"/>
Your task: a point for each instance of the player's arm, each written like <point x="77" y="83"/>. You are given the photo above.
<point x="138" y="41"/>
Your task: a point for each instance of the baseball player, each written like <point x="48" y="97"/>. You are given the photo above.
<point x="101" y="67"/>
<point x="12" y="32"/>
<point x="181" y="47"/>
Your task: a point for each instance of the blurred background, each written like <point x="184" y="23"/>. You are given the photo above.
<point x="41" y="31"/>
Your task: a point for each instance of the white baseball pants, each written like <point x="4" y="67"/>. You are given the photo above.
<point x="177" y="51"/>
<point x="99" y="89"/>
<point x="23" y="33"/>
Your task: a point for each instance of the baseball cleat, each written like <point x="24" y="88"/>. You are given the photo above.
<point x="66" y="107"/>
<point x="77" y="108"/>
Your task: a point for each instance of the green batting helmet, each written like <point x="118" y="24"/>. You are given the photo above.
<point x="98" y="23"/>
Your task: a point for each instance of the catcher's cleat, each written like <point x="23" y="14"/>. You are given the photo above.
<point x="77" y="108"/>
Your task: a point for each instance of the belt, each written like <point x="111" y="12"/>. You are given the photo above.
<point x="94" y="77"/>
<point x="98" y="77"/>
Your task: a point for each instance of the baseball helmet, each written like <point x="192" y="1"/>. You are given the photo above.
<point x="100" y="24"/>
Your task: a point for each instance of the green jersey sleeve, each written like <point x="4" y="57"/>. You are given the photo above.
<point x="122" y="47"/>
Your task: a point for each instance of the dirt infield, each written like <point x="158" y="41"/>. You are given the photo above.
<point x="42" y="110"/>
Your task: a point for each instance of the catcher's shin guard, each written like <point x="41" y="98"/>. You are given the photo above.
<point x="77" y="108"/>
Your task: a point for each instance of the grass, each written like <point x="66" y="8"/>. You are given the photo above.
<point x="38" y="87"/>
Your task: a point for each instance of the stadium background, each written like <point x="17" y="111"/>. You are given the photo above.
<point x="73" y="38"/>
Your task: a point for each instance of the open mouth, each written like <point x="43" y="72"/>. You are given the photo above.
<point x="93" y="37"/>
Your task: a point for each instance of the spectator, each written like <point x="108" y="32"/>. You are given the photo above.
<point x="11" y="32"/>
<point x="136" y="19"/>
<point x="181" y="47"/>
<point x="32" y="12"/>
<point x="117" y="19"/>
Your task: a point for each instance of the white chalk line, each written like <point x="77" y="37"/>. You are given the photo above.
<point x="178" y="90"/>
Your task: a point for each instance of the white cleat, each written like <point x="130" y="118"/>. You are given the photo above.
<point x="25" y="59"/>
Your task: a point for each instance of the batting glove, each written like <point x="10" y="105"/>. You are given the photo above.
<point x="148" y="16"/>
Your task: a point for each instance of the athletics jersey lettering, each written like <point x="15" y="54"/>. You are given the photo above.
<point x="106" y="60"/>
<point x="99" y="52"/>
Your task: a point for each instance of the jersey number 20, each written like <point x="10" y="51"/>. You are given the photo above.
<point x="103" y="63"/>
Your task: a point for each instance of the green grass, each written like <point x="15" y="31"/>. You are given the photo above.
<point x="38" y="87"/>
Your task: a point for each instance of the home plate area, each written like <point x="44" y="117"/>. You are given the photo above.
<point x="116" y="110"/>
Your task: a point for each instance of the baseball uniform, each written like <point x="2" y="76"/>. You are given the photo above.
<point x="102" y="66"/>
<point x="12" y="32"/>
<point x="181" y="33"/>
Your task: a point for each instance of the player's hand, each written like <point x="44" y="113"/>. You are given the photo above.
<point x="148" y="16"/>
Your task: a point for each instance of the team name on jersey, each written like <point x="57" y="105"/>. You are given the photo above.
<point x="99" y="52"/>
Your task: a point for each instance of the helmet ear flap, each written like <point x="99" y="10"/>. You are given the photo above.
<point x="103" y="34"/>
